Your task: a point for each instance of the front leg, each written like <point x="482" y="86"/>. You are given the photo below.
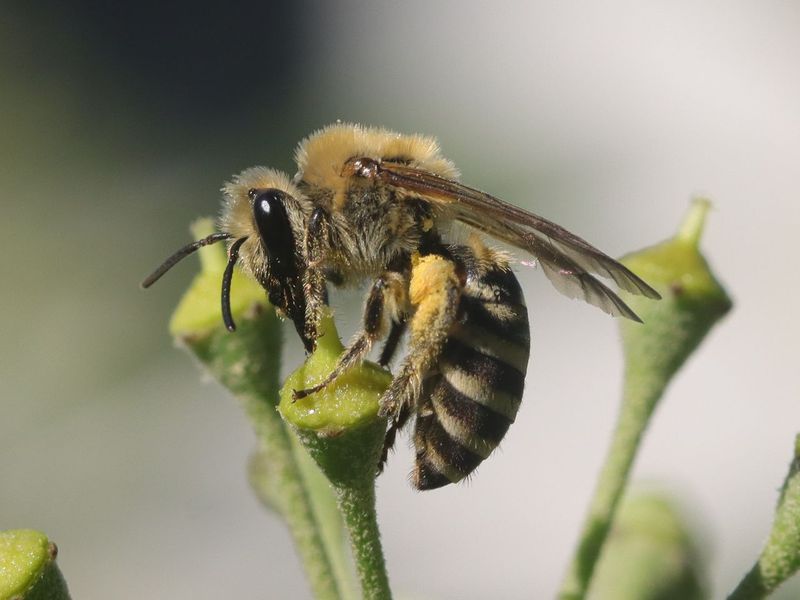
<point x="385" y="304"/>
<point x="316" y="244"/>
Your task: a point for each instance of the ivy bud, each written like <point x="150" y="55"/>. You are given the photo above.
<point x="692" y="300"/>
<point x="28" y="566"/>
<point x="339" y="425"/>
<point x="649" y="554"/>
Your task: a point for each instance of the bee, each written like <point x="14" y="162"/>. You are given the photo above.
<point x="368" y="204"/>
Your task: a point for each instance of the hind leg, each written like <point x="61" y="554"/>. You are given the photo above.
<point x="390" y="347"/>
<point x="391" y="435"/>
<point x="434" y="292"/>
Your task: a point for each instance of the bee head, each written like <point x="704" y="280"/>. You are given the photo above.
<point x="264" y="217"/>
<point x="266" y="214"/>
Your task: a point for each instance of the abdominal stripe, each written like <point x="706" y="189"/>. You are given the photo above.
<point x="440" y="458"/>
<point x="473" y="425"/>
<point x="489" y="372"/>
<point x="508" y="321"/>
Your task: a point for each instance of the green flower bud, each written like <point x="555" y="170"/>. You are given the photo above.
<point x="649" y="555"/>
<point x="246" y="361"/>
<point x="28" y="569"/>
<point x="198" y="313"/>
<point x="692" y="300"/>
<point x="339" y="425"/>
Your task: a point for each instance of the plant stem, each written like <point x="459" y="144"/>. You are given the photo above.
<point x="254" y="382"/>
<point x="328" y="516"/>
<point x="357" y="504"/>
<point x="780" y="558"/>
<point x="640" y="398"/>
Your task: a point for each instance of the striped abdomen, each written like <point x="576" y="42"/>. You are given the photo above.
<point x="471" y="397"/>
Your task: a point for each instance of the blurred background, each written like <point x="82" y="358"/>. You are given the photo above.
<point x="119" y="125"/>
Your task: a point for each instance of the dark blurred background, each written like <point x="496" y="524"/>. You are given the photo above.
<point x="119" y="124"/>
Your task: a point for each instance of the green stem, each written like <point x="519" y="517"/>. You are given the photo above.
<point x="254" y="383"/>
<point x="329" y="517"/>
<point x="780" y="558"/>
<point x="301" y="518"/>
<point x="357" y="504"/>
<point x="640" y="398"/>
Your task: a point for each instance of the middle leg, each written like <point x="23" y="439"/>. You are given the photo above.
<point x="385" y="304"/>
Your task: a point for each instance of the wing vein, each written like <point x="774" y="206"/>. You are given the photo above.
<point x="567" y="259"/>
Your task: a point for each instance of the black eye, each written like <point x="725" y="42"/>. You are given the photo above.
<point x="273" y="225"/>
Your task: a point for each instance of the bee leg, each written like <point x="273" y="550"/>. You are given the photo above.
<point x="434" y="292"/>
<point x="384" y="303"/>
<point x="391" y="434"/>
<point x="315" y="244"/>
<point x="390" y="347"/>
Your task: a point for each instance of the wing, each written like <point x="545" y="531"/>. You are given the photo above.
<point x="567" y="260"/>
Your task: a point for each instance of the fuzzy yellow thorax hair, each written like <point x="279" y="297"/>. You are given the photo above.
<point x="321" y="156"/>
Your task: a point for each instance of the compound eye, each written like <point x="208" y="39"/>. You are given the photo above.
<point x="269" y="210"/>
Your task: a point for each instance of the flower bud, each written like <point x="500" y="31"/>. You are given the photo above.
<point x="649" y="555"/>
<point x="339" y="425"/>
<point x="692" y="299"/>
<point x="198" y="313"/>
<point x="28" y="567"/>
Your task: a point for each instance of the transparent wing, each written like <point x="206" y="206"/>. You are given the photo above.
<point x="567" y="260"/>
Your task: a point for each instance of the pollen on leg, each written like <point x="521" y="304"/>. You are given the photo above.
<point x="433" y="279"/>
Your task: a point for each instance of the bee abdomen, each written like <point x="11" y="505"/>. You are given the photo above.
<point x="470" y="400"/>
